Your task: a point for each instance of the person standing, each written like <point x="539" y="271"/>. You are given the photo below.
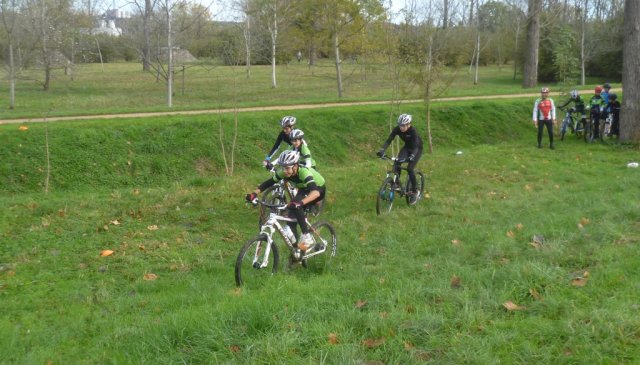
<point x="544" y="114"/>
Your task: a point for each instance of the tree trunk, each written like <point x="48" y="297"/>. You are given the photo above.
<point x="583" y="31"/>
<point x="274" y="40"/>
<point x="12" y="78"/>
<point x="336" y="49"/>
<point x="445" y="14"/>
<point x="515" y="52"/>
<point x="247" y="45"/>
<point x="170" y="58"/>
<point x="630" y="113"/>
<point x="146" y="48"/>
<point x="530" y="77"/>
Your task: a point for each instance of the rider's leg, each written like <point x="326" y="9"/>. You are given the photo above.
<point x="540" y="127"/>
<point x="549" y="124"/>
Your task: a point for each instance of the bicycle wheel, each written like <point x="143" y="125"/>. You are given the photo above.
<point x="588" y="132"/>
<point x="419" y="189"/>
<point x="272" y="195"/>
<point x="325" y="237"/>
<point x="563" y="128"/>
<point x="251" y="258"/>
<point x="384" y="201"/>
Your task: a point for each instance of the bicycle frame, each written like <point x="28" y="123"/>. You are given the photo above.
<point x="274" y="224"/>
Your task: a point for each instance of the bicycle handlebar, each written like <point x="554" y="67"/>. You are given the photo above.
<point x="257" y="201"/>
<point x="394" y="159"/>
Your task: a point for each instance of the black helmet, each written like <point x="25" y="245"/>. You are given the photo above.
<point x="613" y="96"/>
<point x="607" y="85"/>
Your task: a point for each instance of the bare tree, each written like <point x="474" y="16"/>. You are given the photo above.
<point x="530" y="78"/>
<point x="10" y="14"/>
<point x="630" y="113"/>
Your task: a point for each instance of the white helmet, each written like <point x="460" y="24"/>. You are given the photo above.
<point x="574" y="94"/>
<point x="288" y="158"/>
<point x="296" y="134"/>
<point x="404" y="119"/>
<point x="288" y="121"/>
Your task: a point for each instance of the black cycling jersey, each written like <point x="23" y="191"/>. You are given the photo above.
<point x="282" y="137"/>
<point x="411" y="139"/>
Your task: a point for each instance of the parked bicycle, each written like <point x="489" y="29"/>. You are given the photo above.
<point x="605" y="128"/>
<point x="568" y="122"/>
<point x="259" y="258"/>
<point x="392" y="187"/>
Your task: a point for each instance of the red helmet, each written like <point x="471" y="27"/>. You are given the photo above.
<point x="598" y="89"/>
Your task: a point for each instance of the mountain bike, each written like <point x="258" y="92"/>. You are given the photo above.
<point x="568" y="122"/>
<point x="605" y="128"/>
<point x="259" y="258"/>
<point x="392" y="187"/>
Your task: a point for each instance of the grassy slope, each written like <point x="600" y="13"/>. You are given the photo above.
<point x="388" y="297"/>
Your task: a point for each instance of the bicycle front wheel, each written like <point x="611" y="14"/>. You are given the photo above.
<point x="384" y="201"/>
<point x="254" y="265"/>
<point x="325" y="238"/>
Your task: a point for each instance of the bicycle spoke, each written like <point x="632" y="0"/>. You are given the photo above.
<point x="324" y="249"/>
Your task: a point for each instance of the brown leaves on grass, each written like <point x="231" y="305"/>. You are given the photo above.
<point x="333" y="338"/>
<point x="580" y="280"/>
<point x="456" y="242"/>
<point x="105" y="253"/>
<point x="234" y="348"/>
<point x="373" y="342"/>
<point x="361" y="304"/>
<point x="23" y="128"/>
<point x="583" y="222"/>
<point x="511" y="306"/>
<point x="152" y="227"/>
<point x="534" y="294"/>
<point x="455" y="282"/>
<point x="150" y="276"/>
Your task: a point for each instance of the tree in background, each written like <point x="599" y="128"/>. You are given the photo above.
<point x="11" y="26"/>
<point x="530" y="76"/>
<point x="630" y="113"/>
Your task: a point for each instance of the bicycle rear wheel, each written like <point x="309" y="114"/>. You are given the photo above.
<point x="384" y="201"/>
<point x="325" y="237"/>
<point x="251" y="259"/>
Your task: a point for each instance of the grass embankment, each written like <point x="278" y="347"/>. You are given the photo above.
<point x="426" y="283"/>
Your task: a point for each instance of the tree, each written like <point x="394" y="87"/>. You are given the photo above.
<point x="630" y="113"/>
<point x="530" y="78"/>
<point x="10" y="15"/>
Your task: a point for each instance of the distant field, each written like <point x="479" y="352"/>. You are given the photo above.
<point x="124" y="88"/>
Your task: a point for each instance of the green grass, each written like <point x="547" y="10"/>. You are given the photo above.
<point x="388" y="297"/>
<point x="123" y="87"/>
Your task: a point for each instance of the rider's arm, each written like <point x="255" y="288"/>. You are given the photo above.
<point x="305" y="155"/>
<point x="565" y="104"/>
<point x="277" y="144"/>
<point x="268" y="183"/>
<point x="535" y="110"/>
<point x="392" y="135"/>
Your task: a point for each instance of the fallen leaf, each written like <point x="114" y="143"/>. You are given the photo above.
<point x="23" y="128"/>
<point x="409" y="346"/>
<point x="580" y="226"/>
<point x="511" y="306"/>
<point x="152" y="227"/>
<point x="333" y="338"/>
<point x="455" y="242"/>
<point x="535" y="244"/>
<point x="528" y="187"/>
<point x="62" y="212"/>
<point x="455" y="281"/>
<point x="105" y="253"/>
<point x="373" y="342"/>
<point x="141" y="247"/>
<point x="534" y="293"/>
<point x="115" y="222"/>
<point x="585" y="274"/>
<point x="510" y="234"/>
<point x="584" y="221"/>
<point x="234" y="348"/>
<point x="427" y="266"/>
<point x="135" y="191"/>
<point x="556" y="186"/>
<point x="519" y="226"/>
<point x="384" y="315"/>
<point x="361" y="303"/>
<point x="579" y="282"/>
<point x="362" y="237"/>
<point x="150" y="276"/>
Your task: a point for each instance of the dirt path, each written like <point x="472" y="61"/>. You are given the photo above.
<point x="265" y="108"/>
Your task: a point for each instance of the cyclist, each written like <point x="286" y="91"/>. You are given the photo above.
<point x="605" y="96"/>
<point x="614" y="104"/>
<point x="299" y="144"/>
<point x="311" y="190"/>
<point x="544" y="114"/>
<point x="286" y="123"/>
<point x="596" y="107"/>
<point x="410" y="152"/>
<point x="578" y="107"/>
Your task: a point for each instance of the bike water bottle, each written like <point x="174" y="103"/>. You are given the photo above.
<point x="289" y="233"/>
